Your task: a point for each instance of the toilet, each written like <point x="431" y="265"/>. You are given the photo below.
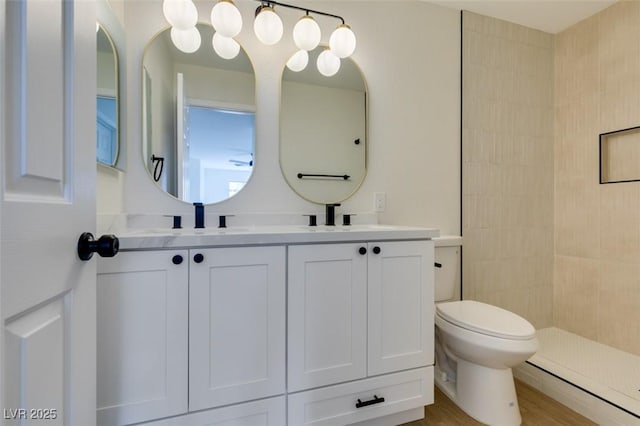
<point x="477" y="344"/>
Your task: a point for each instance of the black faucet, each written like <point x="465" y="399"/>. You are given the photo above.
<point x="331" y="214"/>
<point x="199" y="215"/>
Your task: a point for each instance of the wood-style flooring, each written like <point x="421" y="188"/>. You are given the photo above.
<point x="536" y="409"/>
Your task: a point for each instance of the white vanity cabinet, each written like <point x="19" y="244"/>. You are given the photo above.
<point x="321" y="328"/>
<point x="186" y="330"/>
<point x="400" y="305"/>
<point x="359" y="311"/>
<point x="327" y="315"/>
<point x="142" y="332"/>
<point x="236" y="325"/>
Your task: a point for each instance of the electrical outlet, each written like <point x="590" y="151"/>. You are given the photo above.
<point x="379" y="201"/>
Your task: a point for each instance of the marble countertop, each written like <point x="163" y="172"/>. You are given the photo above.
<point x="159" y="238"/>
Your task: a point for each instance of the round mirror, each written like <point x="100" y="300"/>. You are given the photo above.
<point x="107" y="135"/>
<point x="323" y="131"/>
<point x="198" y="119"/>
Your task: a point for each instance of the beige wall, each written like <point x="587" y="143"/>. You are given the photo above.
<point x="542" y="237"/>
<point x="597" y="227"/>
<point x="508" y="167"/>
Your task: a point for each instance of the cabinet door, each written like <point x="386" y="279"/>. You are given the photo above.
<point x="237" y="325"/>
<point x="327" y="315"/>
<point x="142" y="300"/>
<point x="401" y="305"/>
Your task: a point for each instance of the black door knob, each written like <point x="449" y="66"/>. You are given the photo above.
<point x="177" y="259"/>
<point x="362" y="250"/>
<point x="376" y="250"/>
<point x="106" y="246"/>
<point x="198" y="258"/>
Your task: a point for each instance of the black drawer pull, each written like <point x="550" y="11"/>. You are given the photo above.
<point x="375" y="400"/>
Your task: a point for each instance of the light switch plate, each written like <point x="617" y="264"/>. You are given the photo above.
<point x="379" y="201"/>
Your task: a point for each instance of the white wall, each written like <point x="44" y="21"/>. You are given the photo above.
<point x="409" y="54"/>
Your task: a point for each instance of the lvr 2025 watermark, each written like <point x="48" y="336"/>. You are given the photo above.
<point x="30" y="414"/>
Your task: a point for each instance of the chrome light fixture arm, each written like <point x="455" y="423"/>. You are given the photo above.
<point x="303" y="9"/>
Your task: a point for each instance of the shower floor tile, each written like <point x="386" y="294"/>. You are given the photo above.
<point x="610" y="374"/>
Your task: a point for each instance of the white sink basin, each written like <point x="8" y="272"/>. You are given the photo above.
<point x="189" y="231"/>
<point x="342" y="228"/>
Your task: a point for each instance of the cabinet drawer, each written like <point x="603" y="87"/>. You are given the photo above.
<point x="336" y="405"/>
<point x="266" y="412"/>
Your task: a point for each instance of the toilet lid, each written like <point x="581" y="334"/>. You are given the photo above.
<point x="486" y="319"/>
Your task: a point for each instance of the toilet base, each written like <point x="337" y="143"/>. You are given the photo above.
<point x="486" y="394"/>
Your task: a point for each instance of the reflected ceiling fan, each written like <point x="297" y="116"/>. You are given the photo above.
<point x="241" y="163"/>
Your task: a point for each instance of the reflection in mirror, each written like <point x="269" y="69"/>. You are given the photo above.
<point x="323" y="131"/>
<point x="199" y="119"/>
<point x="107" y="134"/>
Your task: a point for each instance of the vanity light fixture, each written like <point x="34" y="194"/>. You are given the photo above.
<point x="328" y="63"/>
<point x="226" y="18"/>
<point x="225" y="47"/>
<point x="298" y="61"/>
<point x="188" y="40"/>
<point x="268" y="28"/>
<point x="181" y="14"/>
<point x="306" y="33"/>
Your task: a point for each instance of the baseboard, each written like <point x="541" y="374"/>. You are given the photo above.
<point x="395" y="419"/>
<point x="580" y="401"/>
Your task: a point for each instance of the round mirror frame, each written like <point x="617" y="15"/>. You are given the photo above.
<point x="224" y="105"/>
<point x="311" y="180"/>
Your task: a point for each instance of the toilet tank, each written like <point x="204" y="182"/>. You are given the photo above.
<point x="447" y="276"/>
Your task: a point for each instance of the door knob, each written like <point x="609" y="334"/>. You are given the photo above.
<point x="107" y="245"/>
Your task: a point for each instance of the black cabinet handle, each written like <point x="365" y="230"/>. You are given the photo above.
<point x="437" y="265"/>
<point x="362" y="250"/>
<point x="177" y="259"/>
<point x="198" y="258"/>
<point x="375" y="400"/>
<point x="376" y="250"/>
<point x="106" y="246"/>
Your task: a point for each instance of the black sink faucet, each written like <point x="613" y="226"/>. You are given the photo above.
<point x="199" y="207"/>
<point x="331" y="214"/>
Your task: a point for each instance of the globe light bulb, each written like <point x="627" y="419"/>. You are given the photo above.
<point x="225" y="47"/>
<point x="267" y="26"/>
<point x="298" y="61"/>
<point x="306" y="33"/>
<point x="226" y="18"/>
<point x="328" y="63"/>
<point x="181" y="14"/>
<point x="342" y="41"/>
<point x="187" y="41"/>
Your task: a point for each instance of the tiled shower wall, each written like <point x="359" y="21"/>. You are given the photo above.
<point x="542" y="237"/>
<point x="508" y="168"/>
<point x="597" y="227"/>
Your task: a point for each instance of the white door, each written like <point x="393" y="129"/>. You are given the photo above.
<point x="327" y="314"/>
<point x="401" y="306"/>
<point x="236" y="325"/>
<point x="48" y="199"/>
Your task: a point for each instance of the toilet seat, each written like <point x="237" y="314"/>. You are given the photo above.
<point x="486" y="319"/>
